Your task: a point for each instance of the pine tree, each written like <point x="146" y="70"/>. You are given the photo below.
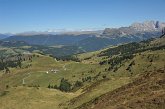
<point x="65" y="85"/>
<point x="78" y="84"/>
<point x="49" y="86"/>
<point x="55" y="87"/>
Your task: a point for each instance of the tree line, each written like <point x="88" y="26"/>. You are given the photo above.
<point x="66" y="86"/>
<point x="13" y="61"/>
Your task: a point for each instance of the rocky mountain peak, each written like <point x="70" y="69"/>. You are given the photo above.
<point x="148" y="26"/>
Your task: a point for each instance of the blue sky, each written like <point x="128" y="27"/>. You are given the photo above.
<point x="42" y="15"/>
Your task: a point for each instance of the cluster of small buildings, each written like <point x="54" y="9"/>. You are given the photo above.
<point x="52" y="71"/>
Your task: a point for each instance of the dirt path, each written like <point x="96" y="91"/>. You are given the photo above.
<point x="23" y="80"/>
<point x="64" y="67"/>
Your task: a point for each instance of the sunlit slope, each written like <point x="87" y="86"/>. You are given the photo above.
<point x="37" y="73"/>
<point x="122" y="76"/>
<point x="129" y="65"/>
<point x="145" y="92"/>
<point x="33" y="98"/>
<point x="123" y="72"/>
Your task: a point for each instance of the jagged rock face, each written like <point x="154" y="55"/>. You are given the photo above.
<point x="148" y="26"/>
<point x="134" y="29"/>
<point x="112" y="32"/>
<point x="118" y="32"/>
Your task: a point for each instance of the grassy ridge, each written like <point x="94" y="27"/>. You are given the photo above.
<point x="103" y="79"/>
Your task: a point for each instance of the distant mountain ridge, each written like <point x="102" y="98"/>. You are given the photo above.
<point x="146" y="27"/>
<point x="48" y="39"/>
<point x="91" y="41"/>
<point x="13" y="43"/>
<point x="3" y="36"/>
<point x="59" y="32"/>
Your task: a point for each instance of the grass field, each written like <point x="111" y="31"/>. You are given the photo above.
<point x="25" y="96"/>
<point x="38" y="75"/>
<point x="32" y="98"/>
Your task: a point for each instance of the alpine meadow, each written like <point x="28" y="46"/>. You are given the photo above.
<point x="82" y="54"/>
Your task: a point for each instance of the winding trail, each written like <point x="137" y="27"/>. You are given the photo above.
<point x="29" y="74"/>
<point x="23" y="80"/>
<point x="64" y="67"/>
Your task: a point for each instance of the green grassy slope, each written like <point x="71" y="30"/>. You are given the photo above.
<point x="105" y="77"/>
<point x="145" y="92"/>
<point x="33" y="98"/>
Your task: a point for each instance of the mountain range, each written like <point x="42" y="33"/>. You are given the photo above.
<point x="119" y="77"/>
<point x="135" y="29"/>
<point x="95" y="40"/>
<point x="3" y="36"/>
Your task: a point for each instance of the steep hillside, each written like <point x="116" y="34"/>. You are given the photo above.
<point x="94" y="43"/>
<point x="33" y="98"/>
<point x="118" y="67"/>
<point x="97" y="43"/>
<point x="100" y="78"/>
<point x="146" y="91"/>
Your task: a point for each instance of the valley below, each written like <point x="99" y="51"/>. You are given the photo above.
<point x="125" y="76"/>
<point x="82" y="54"/>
